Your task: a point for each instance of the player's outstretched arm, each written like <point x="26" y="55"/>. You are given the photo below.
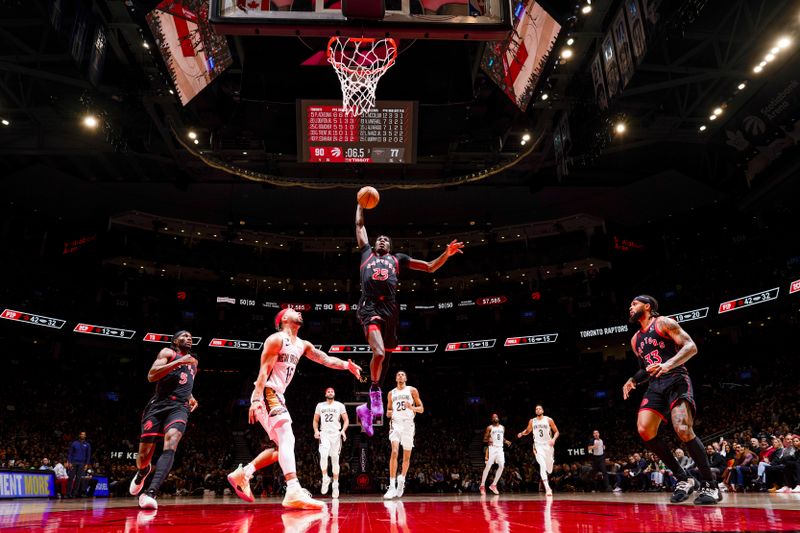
<point x="361" y="230"/>
<point x="161" y="367"/>
<point x="687" y="347"/>
<point x="527" y="430"/>
<point x="432" y="266"/>
<point x="318" y="356"/>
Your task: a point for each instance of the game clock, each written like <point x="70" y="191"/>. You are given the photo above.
<point x="384" y="135"/>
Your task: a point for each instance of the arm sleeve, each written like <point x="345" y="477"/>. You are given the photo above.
<point x="403" y="259"/>
<point x="641" y="375"/>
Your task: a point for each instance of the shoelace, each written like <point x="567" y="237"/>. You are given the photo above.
<point x="683" y="486"/>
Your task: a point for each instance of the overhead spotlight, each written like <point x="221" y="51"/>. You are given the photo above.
<point x="244" y="153"/>
<point x="171" y="91"/>
<point x="712" y="117"/>
<point x="566" y="53"/>
<point x="523" y="142"/>
<point x="5" y="122"/>
<point x="90" y="121"/>
<point x="192" y="135"/>
<point x="146" y="45"/>
<point x="774" y="50"/>
<point x="741" y="86"/>
<point x="570" y="41"/>
<point x="526" y="137"/>
<point x="784" y="42"/>
<point x="586" y="9"/>
<point x="703" y="127"/>
<point x="762" y="64"/>
<point x="620" y="127"/>
<point x="769" y="57"/>
<point x="545" y="96"/>
<point x="757" y="69"/>
<point x="196" y="141"/>
<point x="718" y="111"/>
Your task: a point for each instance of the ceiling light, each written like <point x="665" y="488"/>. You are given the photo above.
<point x="90" y="121"/>
<point x="196" y="141"/>
<point x="586" y="9"/>
<point x="171" y="91"/>
<point x="566" y="53"/>
<point x="774" y="50"/>
<point x="741" y="86"/>
<point x="244" y="153"/>
<point x="192" y="135"/>
<point x="784" y="42"/>
<point x="523" y="142"/>
<point x="712" y="117"/>
<point x="620" y="127"/>
<point x="762" y="64"/>
<point x="526" y="137"/>
<point x="545" y="96"/>
<point x="570" y="41"/>
<point x="769" y="57"/>
<point x="147" y="46"/>
<point x="5" y="122"/>
<point x="703" y="127"/>
<point x="718" y="111"/>
<point x="758" y="68"/>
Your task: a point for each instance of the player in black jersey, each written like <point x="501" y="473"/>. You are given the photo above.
<point x="662" y="347"/>
<point x="166" y="415"/>
<point x="378" y="311"/>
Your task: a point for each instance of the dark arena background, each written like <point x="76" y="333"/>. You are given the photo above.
<point x="191" y="165"/>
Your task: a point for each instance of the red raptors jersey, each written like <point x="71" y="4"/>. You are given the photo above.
<point x="178" y="384"/>
<point x="652" y="347"/>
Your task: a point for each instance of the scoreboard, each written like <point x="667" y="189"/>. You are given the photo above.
<point x="386" y="134"/>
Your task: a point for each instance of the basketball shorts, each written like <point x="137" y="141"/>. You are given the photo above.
<point x="159" y="416"/>
<point x="330" y="444"/>
<point x="402" y="431"/>
<point x="382" y="313"/>
<point x="663" y="393"/>
<point x="544" y="456"/>
<point x="496" y="456"/>
<point x="272" y="413"/>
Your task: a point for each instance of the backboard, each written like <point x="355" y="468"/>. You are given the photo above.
<point x="485" y="20"/>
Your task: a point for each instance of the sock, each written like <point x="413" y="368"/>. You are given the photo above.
<point x="325" y="478"/>
<point x="375" y="386"/>
<point x="392" y="482"/>
<point x="698" y="453"/>
<point x="249" y="470"/>
<point x="401" y="479"/>
<point x="292" y="484"/>
<point x="142" y="473"/>
<point x="163" y="466"/>
<point x="660" y="448"/>
<point x="497" y="474"/>
<point x="335" y="483"/>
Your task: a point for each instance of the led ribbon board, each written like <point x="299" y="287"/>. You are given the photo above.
<point x="30" y="318"/>
<point x="235" y="344"/>
<point x="105" y="331"/>
<point x="163" y="338"/>
<point x="747" y="301"/>
<point x="546" y="338"/>
<point x="470" y="345"/>
<point x="688" y="316"/>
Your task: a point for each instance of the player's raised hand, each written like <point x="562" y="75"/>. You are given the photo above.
<point x="454" y="248"/>
<point x="192" y="404"/>
<point x="354" y="369"/>
<point x="627" y="388"/>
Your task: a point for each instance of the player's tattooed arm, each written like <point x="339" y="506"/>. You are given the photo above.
<point x="161" y="367"/>
<point x="318" y="356"/>
<point x="432" y="266"/>
<point x="361" y="231"/>
<point x="687" y="347"/>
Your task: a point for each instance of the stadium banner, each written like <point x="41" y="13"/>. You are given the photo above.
<point x="34" y="484"/>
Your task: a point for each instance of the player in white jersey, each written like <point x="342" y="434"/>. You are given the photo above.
<point x="545" y="434"/>
<point x="494" y="437"/>
<point x="279" y="358"/>
<point x="403" y="404"/>
<point x="330" y="432"/>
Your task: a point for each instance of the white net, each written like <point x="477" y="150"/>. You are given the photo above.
<point x="360" y="63"/>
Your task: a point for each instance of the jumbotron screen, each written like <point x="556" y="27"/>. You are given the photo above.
<point x="388" y="134"/>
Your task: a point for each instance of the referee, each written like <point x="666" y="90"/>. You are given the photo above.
<point x="597" y="450"/>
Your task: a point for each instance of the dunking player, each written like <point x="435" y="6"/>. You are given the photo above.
<point x="330" y="436"/>
<point x="662" y="347"/>
<point x="403" y="404"/>
<point x="377" y="308"/>
<point x="494" y="437"/>
<point x="279" y="358"/>
<point x="166" y="415"/>
<point x="545" y="434"/>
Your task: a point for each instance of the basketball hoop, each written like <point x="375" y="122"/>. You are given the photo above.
<point x="360" y="63"/>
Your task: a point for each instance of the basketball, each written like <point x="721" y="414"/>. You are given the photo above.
<point x="368" y="197"/>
